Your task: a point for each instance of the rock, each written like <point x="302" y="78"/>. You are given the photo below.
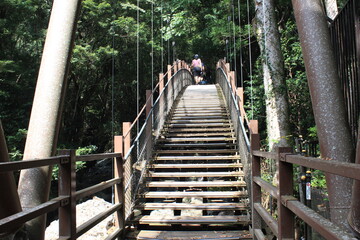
<point x="84" y="212"/>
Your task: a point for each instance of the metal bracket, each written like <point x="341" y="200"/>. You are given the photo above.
<point x="64" y="160"/>
<point x="64" y="202"/>
<point x="285" y="199"/>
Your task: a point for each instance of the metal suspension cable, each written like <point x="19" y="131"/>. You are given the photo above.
<point x="137" y="61"/>
<point x="162" y="39"/>
<point x="250" y="60"/>
<point x="168" y="42"/>
<point x="112" y="110"/>
<point x="234" y="36"/>
<point x="112" y="87"/>
<point x="241" y="56"/>
<point x="229" y="31"/>
<point x="152" y="49"/>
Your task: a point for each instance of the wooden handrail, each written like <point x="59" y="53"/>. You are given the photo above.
<point x="149" y="98"/>
<point x="230" y="75"/>
<point x="289" y="205"/>
<point x="33" y="163"/>
<point x="65" y="201"/>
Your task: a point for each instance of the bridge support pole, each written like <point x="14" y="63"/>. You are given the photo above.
<point x="327" y="100"/>
<point x="9" y="199"/>
<point x="41" y="142"/>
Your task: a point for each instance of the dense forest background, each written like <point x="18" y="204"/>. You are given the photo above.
<point x="105" y="52"/>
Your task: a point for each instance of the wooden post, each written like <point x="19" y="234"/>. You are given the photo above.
<point x="148" y="101"/>
<point x="175" y="67"/>
<point x="127" y="167"/>
<point x="240" y="94"/>
<point x="169" y="74"/>
<point x="256" y="189"/>
<point x="161" y="82"/>
<point x="67" y="187"/>
<point x="254" y="126"/>
<point x="119" y="196"/>
<point x="232" y="81"/>
<point x="149" y="122"/>
<point x="286" y="220"/>
<point x="227" y="68"/>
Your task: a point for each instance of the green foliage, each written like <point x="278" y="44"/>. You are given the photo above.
<point x="91" y="149"/>
<point x="106" y="40"/>
<point x="318" y="179"/>
<point x="16" y="142"/>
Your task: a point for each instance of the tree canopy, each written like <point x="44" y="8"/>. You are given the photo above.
<point x="103" y="75"/>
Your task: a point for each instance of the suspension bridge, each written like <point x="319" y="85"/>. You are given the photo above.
<point x="192" y="171"/>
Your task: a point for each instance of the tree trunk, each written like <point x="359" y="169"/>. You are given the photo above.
<point x="331" y="8"/>
<point x="327" y="100"/>
<point x="41" y="142"/>
<point x="277" y="113"/>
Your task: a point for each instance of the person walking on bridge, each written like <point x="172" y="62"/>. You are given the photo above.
<point x="196" y="66"/>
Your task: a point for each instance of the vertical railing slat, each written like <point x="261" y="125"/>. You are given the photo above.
<point x="286" y="218"/>
<point x="67" y="187"/>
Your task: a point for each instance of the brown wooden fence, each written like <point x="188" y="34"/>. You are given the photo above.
<point x="288" y="207"/>
<point x="65" y="203"/>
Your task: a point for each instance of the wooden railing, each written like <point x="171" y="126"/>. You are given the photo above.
<point x="251" y="125"/>
<point x="159" y="87"/>
<point x="65" y="203"/>
<point x="287" y="205"/>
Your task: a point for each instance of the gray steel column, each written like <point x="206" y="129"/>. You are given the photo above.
<point x="327" y="100"/>
<point x="9" y="199"/>
<point x="34" y="185"/>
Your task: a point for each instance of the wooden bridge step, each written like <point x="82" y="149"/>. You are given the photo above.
<point x="197" y="139"/>
<point x="205" y="134"/>
<point x="204" y="121"/>
<point x="196" y="174"/>
<point x="194" y="158"/>
<point x="196" y="117"/>
<point x="198" y="165"/>
<point x="203" y="125"/>
<point x="203" y="129"/>
<point x="193" y="107"/>
<point x="186" y="235"/>
<point x="241" y="219"/>
<point x="204" y="110"/>
<point x="219" y="115"/>
<point x="197" y="145"/>
<point x="194" y="184"/>
<point x="208" y="151"/>
<point x="197" y="206"/>
<point x="207" y="194"/>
